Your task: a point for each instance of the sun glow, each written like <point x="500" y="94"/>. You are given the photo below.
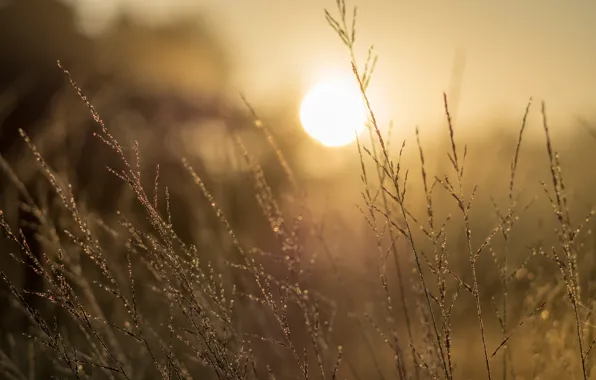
<point x="333" y="112"/>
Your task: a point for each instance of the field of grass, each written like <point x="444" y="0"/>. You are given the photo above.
<point x="473" y="259"/>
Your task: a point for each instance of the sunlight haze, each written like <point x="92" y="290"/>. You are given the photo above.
<point x="219" y="189"/>
<point x="509" y="51"/>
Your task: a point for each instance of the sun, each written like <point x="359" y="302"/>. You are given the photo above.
<point x="333" y="112"/>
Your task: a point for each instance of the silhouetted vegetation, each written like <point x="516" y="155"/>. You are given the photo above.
<point x="133" y="248"/>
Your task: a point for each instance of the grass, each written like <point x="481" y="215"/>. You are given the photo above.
<point x="443" y="288"/>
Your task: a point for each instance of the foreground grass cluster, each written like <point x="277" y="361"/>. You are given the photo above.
<point x="134" y="300"/>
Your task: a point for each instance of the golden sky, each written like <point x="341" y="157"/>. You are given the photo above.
<point x="512" y="49"/>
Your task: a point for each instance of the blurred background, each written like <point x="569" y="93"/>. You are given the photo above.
<point x="489" y="59"/>
<point x="501" y="54"/>
<point x="169" y="74"/>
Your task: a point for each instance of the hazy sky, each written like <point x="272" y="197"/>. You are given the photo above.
<point x="513" y="50"/>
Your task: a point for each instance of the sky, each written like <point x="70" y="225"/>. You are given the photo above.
<point x="509" y="51"/>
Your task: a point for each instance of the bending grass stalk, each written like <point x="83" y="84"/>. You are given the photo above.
<point x="562" y="213"/>
<point x="348" y="36"/>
